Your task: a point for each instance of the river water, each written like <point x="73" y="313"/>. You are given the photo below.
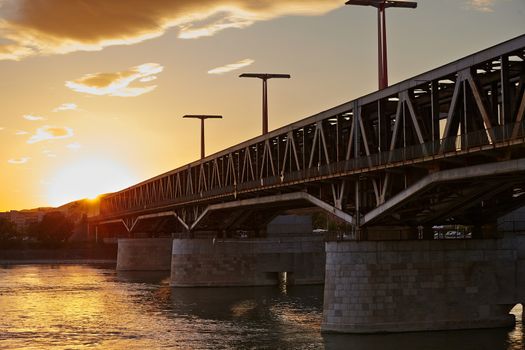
<point x="90" y="307"/>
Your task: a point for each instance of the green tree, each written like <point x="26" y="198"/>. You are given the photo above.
<point x="55" y="227"/>
<point x="8" y="230"/>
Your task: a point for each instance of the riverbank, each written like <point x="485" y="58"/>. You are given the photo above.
<point x="66" y="254"/>
<point x="58" y="262"/>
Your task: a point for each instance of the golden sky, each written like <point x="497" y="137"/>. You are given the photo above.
<point x="93" y="91"/>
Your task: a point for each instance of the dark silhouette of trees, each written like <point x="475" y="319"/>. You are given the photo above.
<point x="55" y="227"/>
<point x="8" y="230"/>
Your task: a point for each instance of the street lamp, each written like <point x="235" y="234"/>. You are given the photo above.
<point x="381" y="6"/>
<point x="202" y="118"/>
<point x="264" y="77"/>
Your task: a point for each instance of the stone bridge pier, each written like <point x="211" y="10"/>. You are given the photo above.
<point x="247" y="262"/>
<point x="398" y="286"/>
<point x="144" y="254"/>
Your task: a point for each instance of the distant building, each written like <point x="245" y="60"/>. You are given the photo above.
<point x="24" y="218"/>
<point x="77" y="211"/>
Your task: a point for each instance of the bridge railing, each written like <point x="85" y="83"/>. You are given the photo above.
<point x="443" y="147"/>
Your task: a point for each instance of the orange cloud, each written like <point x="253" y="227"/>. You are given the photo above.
<point x="50" y="133"/>
<point x="231" y="67"/>
<point x="482" y="5"/>
<point x="42" y="27"/>
<point x="118" y="83"/>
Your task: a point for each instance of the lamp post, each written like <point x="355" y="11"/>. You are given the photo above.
<point x="264" y="77"/>
<point x="381" y="6"/>
<point x="203" y="118"/>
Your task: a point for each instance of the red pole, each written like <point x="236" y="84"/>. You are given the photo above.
<point x="379" y="49"/>
<point x="202" y="139"/>
<point x="385" y="63"/>
<point x="265" y="107"/>
<point x="381" y="6"/>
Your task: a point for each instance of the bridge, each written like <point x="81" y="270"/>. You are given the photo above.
<point x="444" y="147"/>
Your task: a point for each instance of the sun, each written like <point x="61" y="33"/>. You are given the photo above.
<point x="87" y="179"/>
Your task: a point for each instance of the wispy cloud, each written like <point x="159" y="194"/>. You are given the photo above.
<point x="21" y="160"/>
<point x="74" y="146"/>
<point x="66" y="107"/>
<point x="481" y="5"/>
<point x="118" y="83"/>
<point x="232" y="66"/>
<point x="147" y="79"/>
<point x="31" y="117"/>
<point x="46" y="27"/>
<point x="1" y="128"/>
<point x="50" y="133"/>
<point x="21" y="132"/>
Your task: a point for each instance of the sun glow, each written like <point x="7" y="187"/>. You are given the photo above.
<point x="87" y="178"/>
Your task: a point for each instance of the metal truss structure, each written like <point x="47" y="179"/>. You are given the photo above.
<point x="446" y="146"/>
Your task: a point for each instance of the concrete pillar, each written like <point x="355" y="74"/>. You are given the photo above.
<point x="397" y="286"/>
<point x="520" y="270"/>
<point x="144" y="254"/>
<point x="485" y="231"/>
<point x="428" y="233"/>
<point x="247" y="262"/>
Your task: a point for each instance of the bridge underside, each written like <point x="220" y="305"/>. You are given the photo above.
<point x="471" y="195"/>
<point x="256" y="213"/>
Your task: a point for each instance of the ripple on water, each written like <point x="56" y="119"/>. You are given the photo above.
<point x="83" y="307"/>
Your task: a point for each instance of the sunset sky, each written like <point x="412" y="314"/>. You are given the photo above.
<point x="93" y="91"/>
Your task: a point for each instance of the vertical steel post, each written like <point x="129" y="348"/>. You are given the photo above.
<point x="203" y="152"/>
<point x="506" y="114"/>
<point x="357" y="153"/>
<point x="202" y="119"/>
<point x="264" y="77"/>
<point x="384" y="60"/>
<point x="381" y="6"/>
<point x="379" y="50"/>
<point x="265" y="107"/>
<point x="434" y="87"/>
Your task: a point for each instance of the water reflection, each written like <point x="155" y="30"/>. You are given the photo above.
<point x="150" y="277"/>
<point x="82" y="307"/>
<point x="490" y="339"/>
<point x="482" y="339"/>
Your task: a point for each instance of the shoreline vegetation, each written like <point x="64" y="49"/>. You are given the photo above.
<point x="56" y="239"/>
<point x="65" y="253"/>
<point x="4" y="263"/>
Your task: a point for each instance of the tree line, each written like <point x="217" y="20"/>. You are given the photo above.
<point x="54" y="228"/>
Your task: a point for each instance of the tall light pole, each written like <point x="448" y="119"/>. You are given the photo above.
<point x="264" y="77"/>
<point x="203" y="118"/>
<point x="381" y="6"/>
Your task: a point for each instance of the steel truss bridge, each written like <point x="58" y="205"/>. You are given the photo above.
<point x="446" y="146"/>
